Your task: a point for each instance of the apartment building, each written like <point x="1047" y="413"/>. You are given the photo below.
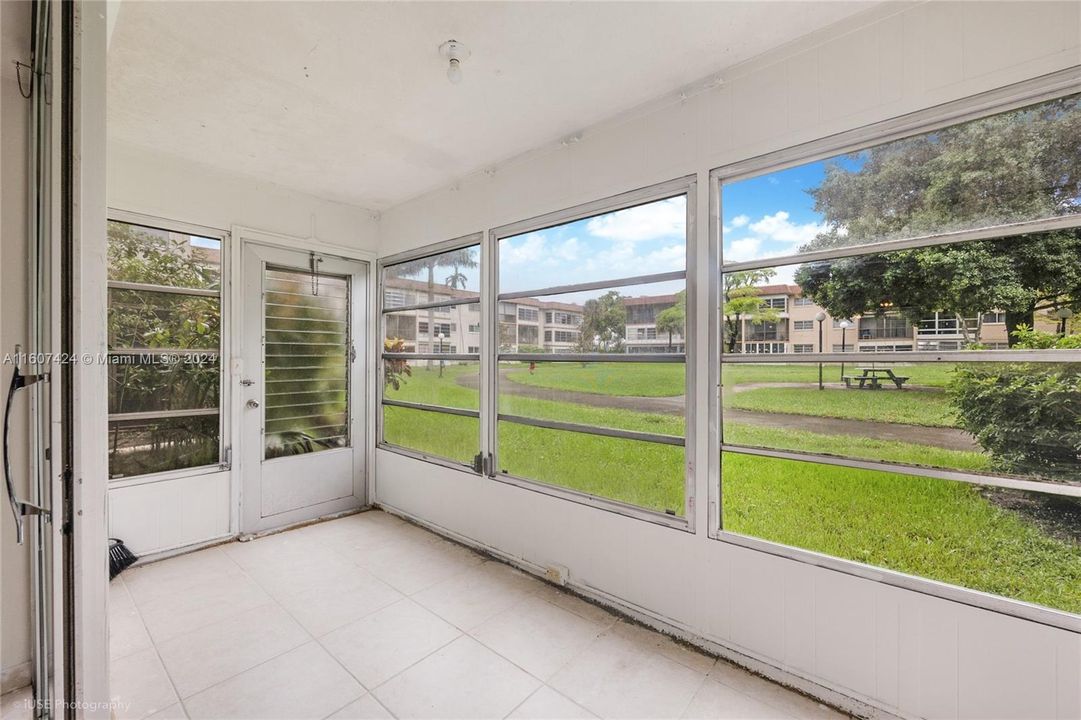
<point x="793" y="327"/>
<point x="524" y="324"/>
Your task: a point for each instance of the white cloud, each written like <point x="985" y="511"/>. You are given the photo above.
<point x="529" y="249"/>
<point x="778" y="228"/>
<point x="740" y="221"/>
<point x="672" y="257"/>
<point x="744" y="249"/>
<point x="645" y="222"/>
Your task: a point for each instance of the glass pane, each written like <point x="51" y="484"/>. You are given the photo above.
<point x="146" y="384"/>
<point x="146" y="319"/>
<point x="1016" y="166"/>
<point x="1017" y="419"/>
<point x="980" y="295"/>
<point x="1021" y="545"/>
<point x="453" y="329"/>
<point x="159" y="257"/>
<point x="642" y="240"/>
<point x="307" y="363"/>
<point x="644" y="397"/>
<point x="453" y="437"/>
<point x="433" y="382"/>
<point x="138" y="447"/>
<point x="638" y="319"/>
<point x="435" y="278"/>
<point x="648" y="475"/>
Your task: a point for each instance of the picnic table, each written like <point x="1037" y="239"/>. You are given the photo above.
<point x="872" y="377"/>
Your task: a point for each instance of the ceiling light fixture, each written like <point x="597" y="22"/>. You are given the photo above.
<point x="454" y="52"/>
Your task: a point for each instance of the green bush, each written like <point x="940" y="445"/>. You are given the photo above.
<point x="1026" y="415"/>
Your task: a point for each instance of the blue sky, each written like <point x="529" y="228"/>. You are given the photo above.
<point x="762" y="216"/>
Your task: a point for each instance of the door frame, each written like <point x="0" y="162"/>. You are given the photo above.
<point x="363" y="395"/>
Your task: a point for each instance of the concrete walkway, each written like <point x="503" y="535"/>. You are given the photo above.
<point x="948" y="438"/>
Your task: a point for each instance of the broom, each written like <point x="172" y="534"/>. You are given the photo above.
<point x="120" y="558"/>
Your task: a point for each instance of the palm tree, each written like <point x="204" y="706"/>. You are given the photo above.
<point x="462" y="258"/>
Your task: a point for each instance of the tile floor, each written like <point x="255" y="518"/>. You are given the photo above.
<point x="371" y="617"/>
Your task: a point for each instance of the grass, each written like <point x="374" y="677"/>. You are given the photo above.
<point x="929" y="374"/>
<point x="855" y="446"/>
<point x="635" y="379"/>
<point x="922" y="526"/>
<point x="930" y="409"/>
<point x="943" y="530"/>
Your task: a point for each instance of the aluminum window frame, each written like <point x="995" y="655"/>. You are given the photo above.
<point x="1012" y="97"/>
<point x="222" y="352"/>
<point x="685" y="186"/>
<point x="382" y="310"/>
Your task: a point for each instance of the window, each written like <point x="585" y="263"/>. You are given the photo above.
<point x="777" y="303"/>
<point x="528" y="314"/>
<point x="164" y="322"/>
<point x="474" y="328"/>
<point x="430" y="393"/>
<point x="803" y="348"/>
<point x="803" y="302"/>
<point x="803" y="324"/>
<point x="944" y="453"/>
<point x="549" y="431"/>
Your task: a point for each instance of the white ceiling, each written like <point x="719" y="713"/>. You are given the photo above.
<point x="350" y="101"/>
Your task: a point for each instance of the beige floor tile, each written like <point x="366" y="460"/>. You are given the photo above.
<point x="211" y="654"/>
<point x="619" y="677"/>
<point x="202" y="604"/>
<point x="411" y="567"/>
<point x="173" y="576"/>
<point x="303" y="684"/>
<point x="366" y="708"/>
<point x="537" y="636"/>
<point x="468" y="599"/>
<point x="324" y="570"/>
<point x="740" y="679"/>
<point x="462" y="680"/>
<point x="794" y="704"/>
<point x="173" y="712"/>
<point x="286" y="550"/>
<point x="692" y="658"/>
<point x="139" y="686"/>
<point x="359" y="594"/>
<point x="716" y="700"/>
<point x="17" y="704"/>
<point x="547" y="704"/>
<point x="578" y="606"/>
<point x="382" y="644"/>
<point x="127" y="633"/>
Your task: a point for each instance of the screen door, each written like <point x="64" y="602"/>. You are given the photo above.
<point x="302" y="386"/>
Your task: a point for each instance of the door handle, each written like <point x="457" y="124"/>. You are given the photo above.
<point x="19" y="508"/>
<point x="252" y="404"/>
<point x="247" y="383"/>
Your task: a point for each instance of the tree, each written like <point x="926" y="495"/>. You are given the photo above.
<point x="604" y="322"/>
<point x="426" y="267"/>
<point x="1015" y="166"/>
<point x="742" y="301"/>
<point x="1025" y="414"/>
<point x="672" y="320"/>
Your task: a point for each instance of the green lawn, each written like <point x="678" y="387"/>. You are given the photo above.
<point x="616" y="378"/>
<point x="864" y="448"/>
<point x="933" y="528"/>
<point x="931" y="374"/>
<point x="928" y="408"/>
<point x="923" y="526"/>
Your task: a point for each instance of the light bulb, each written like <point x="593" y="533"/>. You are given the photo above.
<point x="454" y="71"/>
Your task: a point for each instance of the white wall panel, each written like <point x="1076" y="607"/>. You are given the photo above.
<point x="169" y="514"/>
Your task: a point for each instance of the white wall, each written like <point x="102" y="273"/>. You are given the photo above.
<point x="164" y="186"/>
<point x="15" y="559"/>
<point x="901" y="651"/>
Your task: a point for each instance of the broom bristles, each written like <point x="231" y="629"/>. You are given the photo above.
<point x="120" y="558"/>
